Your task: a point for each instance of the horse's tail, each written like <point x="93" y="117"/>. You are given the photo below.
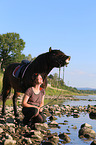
<point x="6" y="89"/>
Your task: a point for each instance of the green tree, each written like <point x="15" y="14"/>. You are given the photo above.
<point x="29" y="57"/>
<point x="11" y="46"/>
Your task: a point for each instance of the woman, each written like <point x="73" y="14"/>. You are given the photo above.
<point x="33" y="101"/>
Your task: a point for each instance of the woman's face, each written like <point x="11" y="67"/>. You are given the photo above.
<point x="40" y="79"/>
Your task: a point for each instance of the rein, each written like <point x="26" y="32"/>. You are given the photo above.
<point x="52" y="100"/>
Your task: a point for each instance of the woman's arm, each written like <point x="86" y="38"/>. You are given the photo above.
<point x="42" y="103"/>
<point x="25" y="104"/>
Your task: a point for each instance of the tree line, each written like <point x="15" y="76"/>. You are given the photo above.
<point x="11" y="47"/>
<point x="55" y="81"/>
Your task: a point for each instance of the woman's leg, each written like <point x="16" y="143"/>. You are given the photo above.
<point x="40" y="118"/>
<point x="28" y="112"/>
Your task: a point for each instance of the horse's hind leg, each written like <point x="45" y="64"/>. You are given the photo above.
<point x="5" y="93"/>
<point x="16" y="94"/>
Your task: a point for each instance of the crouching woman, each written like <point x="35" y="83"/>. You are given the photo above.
<point x="33" y="101"/>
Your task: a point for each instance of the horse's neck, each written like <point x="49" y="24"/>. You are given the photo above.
<point x="41" y="65"/>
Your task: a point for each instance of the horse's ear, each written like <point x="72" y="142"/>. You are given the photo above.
<point x="50" y="49"/>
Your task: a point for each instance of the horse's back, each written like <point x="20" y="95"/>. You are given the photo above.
<point x="8" y="74"/>
<point x="9" y="69"/>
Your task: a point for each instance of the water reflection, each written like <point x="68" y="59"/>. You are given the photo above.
<point x="84" y="102"/>
<point x="84" y="117"/>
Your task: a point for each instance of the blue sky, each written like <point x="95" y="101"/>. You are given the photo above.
<point x="68" y="25"/>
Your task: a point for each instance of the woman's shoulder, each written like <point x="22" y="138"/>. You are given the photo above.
<point x="29" y="91"/>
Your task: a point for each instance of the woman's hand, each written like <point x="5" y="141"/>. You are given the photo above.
<point x="41" y="109"/>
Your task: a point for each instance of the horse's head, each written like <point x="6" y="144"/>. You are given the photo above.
<point x="57" y="58"/>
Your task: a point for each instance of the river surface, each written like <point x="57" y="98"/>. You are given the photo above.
<point x="84" y="118"/>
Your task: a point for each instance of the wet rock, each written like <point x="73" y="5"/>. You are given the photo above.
<point x="65" y="120"/>
<point x="90" y="100"/>
<point x="64" y="123"/>
<point x="74" y="127"/>
<point x="1" y="130"/>
<point x="56" y="106"/>
<point x="57" y="113"/>
<point x="10" y="120"/>
<point x="2" y="120"/>
<point x="93" y="143"/>
<point x="35" y="132"/>
<point x="37" y="137"/>
<point x="53" y="124"/>
<point x="48" y="143"/>
<point x="41" y="126"/>
<point x="52" y="118"/>
<point x="25" y="141"/>
<point x="92" y="115"/>
<point x="53" y="138"/>
<point x="9" y="136"/>
<point x="10" y="124"/>
<point x="9" y="142"/>
<point x="65" y="137"/>
<point x="87" y="133"/>
<point x="76" y="115"/>
<point x="12" y="129"/>
<point x="86" y="125"/>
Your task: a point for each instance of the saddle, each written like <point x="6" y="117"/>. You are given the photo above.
<point x="19" y="71"/>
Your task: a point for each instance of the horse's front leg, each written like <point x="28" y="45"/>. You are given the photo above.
<point x="16" y="94"/>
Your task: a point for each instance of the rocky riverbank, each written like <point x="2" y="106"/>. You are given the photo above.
<point x="13" y="132"/>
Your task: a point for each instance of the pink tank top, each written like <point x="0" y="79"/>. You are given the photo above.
<point x="34" y="99"/>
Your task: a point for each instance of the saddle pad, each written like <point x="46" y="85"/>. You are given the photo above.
<point x="16" y="71"/>
<point x="20" y="70"/>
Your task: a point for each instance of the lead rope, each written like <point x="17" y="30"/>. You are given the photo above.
<point x="52" y="100"/>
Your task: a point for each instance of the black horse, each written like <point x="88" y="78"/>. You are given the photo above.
<point x="43" y="64"/>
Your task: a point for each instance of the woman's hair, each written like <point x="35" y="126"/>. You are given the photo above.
<point x="35" y="79"/>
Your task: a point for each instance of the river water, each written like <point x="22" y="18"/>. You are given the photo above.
<point x="84" y="118"/>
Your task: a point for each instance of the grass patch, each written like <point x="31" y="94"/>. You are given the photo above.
<point x="9" y="102"/>
<point x="51" y="102"/>
<point x="55" y="92"/>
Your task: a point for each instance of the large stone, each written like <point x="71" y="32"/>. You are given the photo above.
<point x="10" y="124"/>
<point x="9" y="142"/>
<point x="9" y="136"/>
<point x="86" y="125"/>
<point x="92" y="114"/>
<point x="37" y="137"/>
<point x="65" y="137"/>
<point x="35" y="132"/>
<point x="53" y="124"/>
<point x="10" y="120"/>
<point x="87" y="132"/>
<point x="41" y="126"/>
<point x="93" y="143"/>
<point x="54" y="139"/>
<point x="52" y="118"/>
<point x="1" y="130"/>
